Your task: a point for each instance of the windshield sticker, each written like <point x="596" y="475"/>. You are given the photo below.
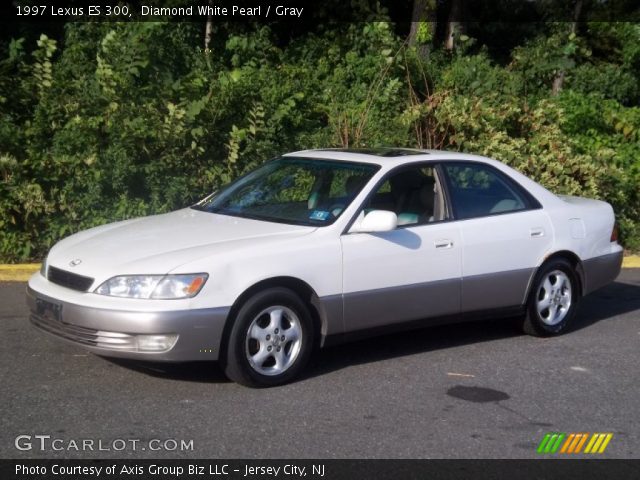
<point x="319" y="215"/>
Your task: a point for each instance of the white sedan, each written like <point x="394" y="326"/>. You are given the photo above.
<point x="322" y="246"/>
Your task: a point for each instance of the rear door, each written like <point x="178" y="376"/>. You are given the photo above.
<point x="412" y="272"/>
<point x="504" y="233"/>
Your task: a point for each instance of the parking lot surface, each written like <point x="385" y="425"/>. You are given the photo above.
<point x="475" y="390"/>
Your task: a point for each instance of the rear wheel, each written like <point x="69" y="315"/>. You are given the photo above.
<point x="270" y="341"/>
<point x="553" y="299"/>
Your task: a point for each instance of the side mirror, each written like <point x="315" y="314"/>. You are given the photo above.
<point x="375" y="221"/>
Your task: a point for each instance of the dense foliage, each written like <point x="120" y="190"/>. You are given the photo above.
<point x="111" y="121"/>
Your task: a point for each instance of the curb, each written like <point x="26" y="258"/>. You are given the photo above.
<point x="20" y="272"/>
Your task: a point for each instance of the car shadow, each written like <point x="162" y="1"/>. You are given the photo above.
<point x="615" y="299"/>
<point x="196" y="372"/>
<point x="395" y="345"/>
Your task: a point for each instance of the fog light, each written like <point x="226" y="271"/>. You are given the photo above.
<point x="156" y="343"/>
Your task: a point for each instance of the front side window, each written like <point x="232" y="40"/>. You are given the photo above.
<point x="413" y="193"/>
<point x="302" y="191"/>
<point x="480" y="190"/>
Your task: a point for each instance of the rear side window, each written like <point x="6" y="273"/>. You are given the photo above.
<point x="479" y="190"/>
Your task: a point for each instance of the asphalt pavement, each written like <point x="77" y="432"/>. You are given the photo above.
<point x="476" y="390"/>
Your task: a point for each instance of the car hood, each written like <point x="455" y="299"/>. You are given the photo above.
<point x="159" y="243"/>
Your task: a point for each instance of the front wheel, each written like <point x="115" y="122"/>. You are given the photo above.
<point x="553" y="299"/>
<point x="270" y="341"/>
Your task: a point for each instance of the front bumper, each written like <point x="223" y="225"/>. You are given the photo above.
<point x="113" y="333"/>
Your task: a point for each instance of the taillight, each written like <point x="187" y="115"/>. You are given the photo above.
<point x="614" y="233"/>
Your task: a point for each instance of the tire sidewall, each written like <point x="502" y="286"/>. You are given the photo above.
<point x="237" y="366"/>
<point x="532" y="312"/>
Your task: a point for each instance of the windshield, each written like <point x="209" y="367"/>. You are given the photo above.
<point x="302" y="191"/>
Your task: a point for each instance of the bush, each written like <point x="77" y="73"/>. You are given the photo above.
<point x="117" y="120"/>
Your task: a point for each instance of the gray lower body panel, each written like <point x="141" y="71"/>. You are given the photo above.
<point x="600" y="271"/>
<point x="112" y="333"/>
<point x="495" y="290"/>
<point x="385" y="306"/>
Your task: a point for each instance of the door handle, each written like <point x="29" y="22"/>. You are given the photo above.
<point x="537" y="232"/>
<point x="444" y="243"/>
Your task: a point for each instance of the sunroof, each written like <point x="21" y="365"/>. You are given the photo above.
<point x="380" y="152"/>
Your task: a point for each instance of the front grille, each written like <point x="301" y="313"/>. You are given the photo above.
<point x="68" y="279"/>
<point x="85" y="336"/>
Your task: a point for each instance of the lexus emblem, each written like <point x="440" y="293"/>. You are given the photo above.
<point x="75" y="262"/>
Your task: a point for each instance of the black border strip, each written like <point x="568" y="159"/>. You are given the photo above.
<point x="566" y="469"/>
<point x="482" y="11"/>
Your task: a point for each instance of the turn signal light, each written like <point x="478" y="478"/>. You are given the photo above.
<point x="195" y="285"/>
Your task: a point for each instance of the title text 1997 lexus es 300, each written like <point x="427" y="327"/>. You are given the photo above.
<point x="323" y="245"/>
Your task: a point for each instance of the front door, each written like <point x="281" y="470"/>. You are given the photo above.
<point x="410" y="273"/>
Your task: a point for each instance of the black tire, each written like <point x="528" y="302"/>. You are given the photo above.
<point x="243" y="360"/>
<point x="548" y="284"/>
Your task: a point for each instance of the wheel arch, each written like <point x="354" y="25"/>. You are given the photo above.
<point x="301" y="288"/>
<point x="567" y="255"/>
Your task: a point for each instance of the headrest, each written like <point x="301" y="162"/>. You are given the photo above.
<point x="427" y="193"/>
<point x="354" y="183"/>
<point x="409" y="180"/>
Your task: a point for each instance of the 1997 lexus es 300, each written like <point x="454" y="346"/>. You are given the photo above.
<point x="321" y="245"/>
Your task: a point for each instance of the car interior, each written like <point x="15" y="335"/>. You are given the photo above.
<point x="414" y="195"/>
<point x="480" y="192"/>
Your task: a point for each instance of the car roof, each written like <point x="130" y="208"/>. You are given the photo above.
<point x="386" y="156"/>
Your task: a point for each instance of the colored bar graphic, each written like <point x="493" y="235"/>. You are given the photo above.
<point x="543" y="443"/>
<point x="565" y="447"/>
<point x="592" y="443"/>
<point x="596" y="447"/>
<point x="579" y="446"/>
<point x="551" y="442"/>
<point x="572" y="443"/>
<point x="605" y="443"/>
<point x="556" y="446"/>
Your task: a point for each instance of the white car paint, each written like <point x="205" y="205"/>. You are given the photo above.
<point x="338" y="265"/>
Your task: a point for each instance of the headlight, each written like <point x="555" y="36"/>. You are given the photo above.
<point x="154" y="286"/>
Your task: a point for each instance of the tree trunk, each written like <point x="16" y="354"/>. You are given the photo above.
<point x="558" y="81"/>
<point x="208" y="31"/>
<point x="423" y="11"/>
<point x="453" y="25"/>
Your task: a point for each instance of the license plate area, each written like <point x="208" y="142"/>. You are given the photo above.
<point x="48" y="310"/>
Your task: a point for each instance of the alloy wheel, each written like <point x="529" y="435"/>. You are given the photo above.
<point x="273" y="340"/>
<point x="553" y="299"/>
